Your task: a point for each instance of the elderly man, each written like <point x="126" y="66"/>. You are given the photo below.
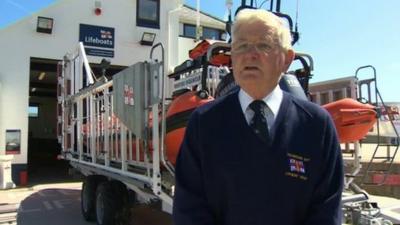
<point x="259" y="156"/>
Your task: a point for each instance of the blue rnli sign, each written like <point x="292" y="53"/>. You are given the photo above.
<point x="96" y="36"/>
<point x="99" y="52"/>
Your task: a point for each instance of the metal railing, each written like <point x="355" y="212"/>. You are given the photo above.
<point x="93" y="136"/>
<point x="374" y="97"/>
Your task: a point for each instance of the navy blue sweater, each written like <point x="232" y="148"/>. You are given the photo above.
<point x="225" y="175"/>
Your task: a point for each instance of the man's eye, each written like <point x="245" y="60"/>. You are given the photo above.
<point x="242" y="47"/>
<point x="263" y="47"/>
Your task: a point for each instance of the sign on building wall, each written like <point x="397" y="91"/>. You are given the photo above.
<point x="98" y="40"/>
<point x="13" y="141"/>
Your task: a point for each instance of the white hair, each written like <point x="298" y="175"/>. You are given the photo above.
<point x="280" y="32"/>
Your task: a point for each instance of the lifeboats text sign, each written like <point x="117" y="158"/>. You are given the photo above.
<point x="101" y="40"/>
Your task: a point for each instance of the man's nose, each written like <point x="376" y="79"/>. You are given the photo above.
<point x="252" y="48"/>
<point x="252" y="51"/>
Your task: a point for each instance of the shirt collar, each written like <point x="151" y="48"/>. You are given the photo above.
<point x="273" y="100"/>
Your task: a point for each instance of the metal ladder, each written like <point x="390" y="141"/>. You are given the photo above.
<point x="385" y="161"/>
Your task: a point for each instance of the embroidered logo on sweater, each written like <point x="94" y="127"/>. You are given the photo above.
<point x="297" y="166"/>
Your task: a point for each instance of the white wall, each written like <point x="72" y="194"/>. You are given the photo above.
<point x="14" y="75"/>
<point x="20" y="41"/>
<point x="185" y="44"/>
<point x="2" y="135"/>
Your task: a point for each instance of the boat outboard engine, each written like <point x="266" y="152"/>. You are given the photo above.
<point x="226" y="86"/>
<point x="289" y="83"/>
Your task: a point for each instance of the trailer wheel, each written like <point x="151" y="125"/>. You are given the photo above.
<point x="106" y="204"/>
<point x="112" y="204"/>
<point x="88" y="195"/>
<point x="123" y="200"/>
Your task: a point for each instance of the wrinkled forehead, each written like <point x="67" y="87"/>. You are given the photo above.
<point x="254" y="31"/>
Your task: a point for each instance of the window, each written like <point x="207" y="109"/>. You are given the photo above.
<point x="33" y="111"/>
<point x="313" y="97"/>
<point x="148" y="13"/>
<point x="348" y="93"/>
<point x="189" y="30"/>
<point x="324" y="98"/>
<point x="337" y="95"/>
<point x="211" y="33"/>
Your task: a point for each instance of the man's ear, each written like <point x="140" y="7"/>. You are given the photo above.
<point x="289" y="57"/>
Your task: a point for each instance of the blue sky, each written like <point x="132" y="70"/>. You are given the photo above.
<point x="340" y="35"/>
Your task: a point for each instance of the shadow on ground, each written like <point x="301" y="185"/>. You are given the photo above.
<point x="61" y="206"/>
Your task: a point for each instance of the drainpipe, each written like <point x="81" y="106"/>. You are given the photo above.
<point x="2" y="150"/>
<point x="198" y="20"/>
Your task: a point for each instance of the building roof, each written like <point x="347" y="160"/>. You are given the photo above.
<point x="334" y="81"/>
<point x="187" y="14"/>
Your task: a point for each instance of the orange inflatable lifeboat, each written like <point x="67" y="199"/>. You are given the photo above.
<point x="352" y="119"/>
<point x="177" y="117"/>
<point x="218" y="59"/>
<point x="201" y="48"/>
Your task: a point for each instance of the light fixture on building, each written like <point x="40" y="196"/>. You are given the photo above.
<point x="41" y="75"/>
<point x="148" y="38"/>
<point x="44" y="25"/>
<point x="224" y="36"/>
<point x="33" y="89"/>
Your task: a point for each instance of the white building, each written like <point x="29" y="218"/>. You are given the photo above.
<point x="332" y="90"/>
<point x="31" y="48"/>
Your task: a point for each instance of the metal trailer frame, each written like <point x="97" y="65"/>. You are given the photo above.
<point x="96" y="142"/>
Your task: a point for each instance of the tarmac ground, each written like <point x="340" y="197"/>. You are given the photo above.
<point x="59" y="203"/>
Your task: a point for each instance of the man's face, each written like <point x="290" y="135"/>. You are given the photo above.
<point x="257" y="59"/>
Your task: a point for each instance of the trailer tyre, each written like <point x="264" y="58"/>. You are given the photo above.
<point x="123" y="206"/>
<point x="88" y="196"/>
<point x="107" y="204"/>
